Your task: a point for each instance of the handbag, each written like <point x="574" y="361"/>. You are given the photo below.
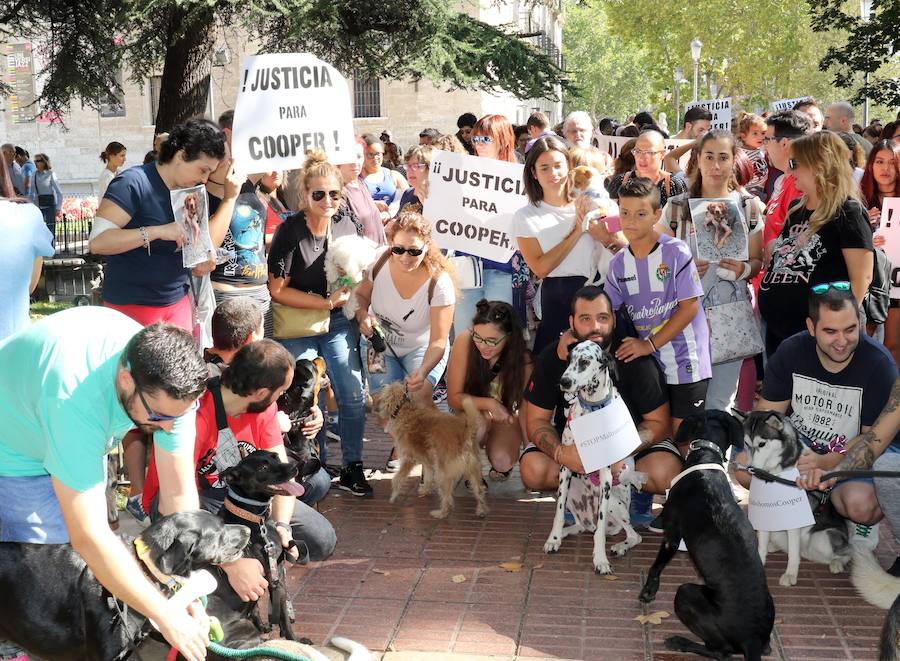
<point x="44" y="200"/>
<point x="469" y="271"/>
<point x="293" y="322"/>
<point x="733" y="328"/>
<point x="878" y="298"/>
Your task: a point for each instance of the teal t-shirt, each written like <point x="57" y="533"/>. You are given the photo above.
<point x="59" y="411"/>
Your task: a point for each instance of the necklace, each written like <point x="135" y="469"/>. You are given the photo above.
<point x="317" y="239"/>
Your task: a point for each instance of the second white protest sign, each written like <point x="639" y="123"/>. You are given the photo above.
<point x="287" y="104"/>
<point x="471" y="202"/>
<point x="889" y="228"/>
<point x="720" y="109"/>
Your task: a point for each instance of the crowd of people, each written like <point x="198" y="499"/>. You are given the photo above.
<point x="810" y="326"/>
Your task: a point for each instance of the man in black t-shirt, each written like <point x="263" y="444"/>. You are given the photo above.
<point x="639" y="382"/>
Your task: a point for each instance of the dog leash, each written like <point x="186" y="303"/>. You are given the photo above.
<point x="766" y="476"/>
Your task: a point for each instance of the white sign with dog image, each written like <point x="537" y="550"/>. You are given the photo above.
<point x="471" y="202"/>
<point x="719" y="229"/>
<point x="775" y="507"/>
<point x="191" y="209"/>
<point x="605" y="436"/>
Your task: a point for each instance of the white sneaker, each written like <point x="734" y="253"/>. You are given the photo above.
<point x="863" y="536"/>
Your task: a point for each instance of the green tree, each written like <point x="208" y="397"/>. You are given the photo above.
<point x="870" y="47"/>
<point x="87" y="43"/>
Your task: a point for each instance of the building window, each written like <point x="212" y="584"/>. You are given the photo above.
<point x="366" y="97"/>
<point x="155" y="87"/>
<point x="113" y="105"/>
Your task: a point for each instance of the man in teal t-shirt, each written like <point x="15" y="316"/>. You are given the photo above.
<point x="71" y="386"/>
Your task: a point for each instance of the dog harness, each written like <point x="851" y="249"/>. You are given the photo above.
<point x="700" y="444"/>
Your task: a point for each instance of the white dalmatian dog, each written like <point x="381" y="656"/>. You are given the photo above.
<point x="596" y="504"/>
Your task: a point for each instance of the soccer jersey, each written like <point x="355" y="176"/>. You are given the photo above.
<point x="650" y="288"/>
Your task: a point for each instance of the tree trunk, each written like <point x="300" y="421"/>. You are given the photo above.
<point x="184" y="90"/>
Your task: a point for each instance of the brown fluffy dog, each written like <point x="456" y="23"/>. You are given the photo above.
<point x="446" y="445"/>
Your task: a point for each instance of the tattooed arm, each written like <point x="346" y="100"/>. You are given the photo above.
<point x="541" y="432"/>
<point x="862" y="451"/>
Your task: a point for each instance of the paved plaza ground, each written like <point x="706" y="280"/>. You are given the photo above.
<point x="394" y="585"/>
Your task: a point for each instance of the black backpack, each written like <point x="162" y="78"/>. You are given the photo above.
<point x="878" y="299"/>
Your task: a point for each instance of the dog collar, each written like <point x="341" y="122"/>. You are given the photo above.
<point x="143" y="554"/>
<point x="590" y="407"/>
<point x="400" y="405"/>
<point x="701" y="443"/>
<point x="696" y="467"/>
<point x="244" y="514"/>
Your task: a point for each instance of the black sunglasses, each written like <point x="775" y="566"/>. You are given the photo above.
<point x="153" y="416"/>
<point x="414" y="252"/>
<point x="319" y="195"/>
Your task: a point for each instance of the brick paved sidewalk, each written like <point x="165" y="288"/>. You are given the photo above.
<point x="390" y="586"/>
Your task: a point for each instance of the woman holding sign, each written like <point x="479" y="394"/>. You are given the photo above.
<point x="726" y="280"/>
<point x="880" y="180"/>
<point x="490" y="363"/>
<point x="309" y="321"/>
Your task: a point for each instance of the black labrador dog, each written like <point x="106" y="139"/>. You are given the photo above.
<point x="733" y="612"/>
<point x="252" y="484"/>
<point x="298" y="402"/>
<point x="54" y="607"/>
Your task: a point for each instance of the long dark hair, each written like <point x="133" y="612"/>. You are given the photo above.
<point x="696" y="179"/>
<point x="868" y="185"/>
<point x="511" y="361"/>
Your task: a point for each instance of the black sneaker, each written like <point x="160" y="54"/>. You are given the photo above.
<point x="895" y="568"/>
<point x="656" y="525"/>
<point x="353" y="480"/>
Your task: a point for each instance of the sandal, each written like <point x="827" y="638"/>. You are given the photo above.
<point x="499" y="476"/>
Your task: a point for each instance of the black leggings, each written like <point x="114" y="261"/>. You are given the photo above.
<point x="556" y="303"/>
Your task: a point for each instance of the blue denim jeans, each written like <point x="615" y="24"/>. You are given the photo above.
<point x="497" y="286"/>
<point x="411" y="361"/>
<point x="340" y="349"/>
<point x="30" y="512"/>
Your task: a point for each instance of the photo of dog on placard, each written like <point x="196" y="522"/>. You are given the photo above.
<point x="720" y="229"/>
<point x="191" y="209"/>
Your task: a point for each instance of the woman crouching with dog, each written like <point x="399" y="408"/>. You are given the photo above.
<point x="490" y="363"/>
<point x="412" y="292"/>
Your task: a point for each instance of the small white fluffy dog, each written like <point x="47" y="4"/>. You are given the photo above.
<point x="346" y="262"/>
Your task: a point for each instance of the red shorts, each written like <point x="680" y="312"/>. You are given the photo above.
<point x="179" y="314"/>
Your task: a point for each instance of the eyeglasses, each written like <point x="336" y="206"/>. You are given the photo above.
<point x="792" y="164"/>
<point x="645" y="152"/>
<point x="375" y="154"/>
<point x="319" y="195"/>
<point x="483" y="139"/>
<point x="417" y="166"/>
<point x="153" y="416"/>
<point x="489" y="341"/>
<point x="39" y="160"/>
<point x="413" y="252"/>
<point x="840" y="285"/>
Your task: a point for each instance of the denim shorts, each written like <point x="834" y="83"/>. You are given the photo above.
<point x="30" y="512"/>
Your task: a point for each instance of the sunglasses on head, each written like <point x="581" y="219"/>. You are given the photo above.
<point x="413" y="252"/>
<point x="319" y="195"/>
<point x="483" y="139"/>
<point x="840" y="285"/>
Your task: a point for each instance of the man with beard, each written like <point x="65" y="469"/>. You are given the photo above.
<point x="237" y="416"/>
<point x="640" y="384"/>
<point x="833" y="381"/>
<point x="71" y="387"/>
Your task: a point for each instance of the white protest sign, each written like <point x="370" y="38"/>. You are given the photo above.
<point x="471" y="202"/>
<point x="720" y="109"/>
<point x="890" y="230"/>
<point x="612" y="145"/>
<point x="774" y="507"/>
<point x="605" y="436"/>
<point x="788" y="104"/>
<point x="287" y="104"/>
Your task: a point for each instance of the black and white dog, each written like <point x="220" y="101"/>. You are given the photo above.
<point x="732" y="612"/>
<point x="597" y="506"/>
<point x="773" y="446"/>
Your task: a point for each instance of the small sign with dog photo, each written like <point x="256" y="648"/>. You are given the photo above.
<point x="775" y="507"/>
<point x="605" y="436"/>
<point x="719" y="229"/>
<point x="191" y="209"/>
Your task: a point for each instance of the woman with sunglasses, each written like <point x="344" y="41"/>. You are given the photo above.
<point x="297" y="279"/>
<point x="47" y="193"/>
<point x="385" y="185"/>
<point x="826" y="237"/>
<point x="490" y="363"/>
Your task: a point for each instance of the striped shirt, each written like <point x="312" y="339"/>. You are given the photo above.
<point x="651" y="288"/>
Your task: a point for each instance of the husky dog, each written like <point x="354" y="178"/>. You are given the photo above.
<point x="597" y="506"/>
<point x="773" y="446"/>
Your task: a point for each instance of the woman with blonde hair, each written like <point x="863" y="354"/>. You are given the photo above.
<point x="297" y="281"/>
<point x="826" y="237"/>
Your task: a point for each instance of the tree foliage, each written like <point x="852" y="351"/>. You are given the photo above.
<point x="86" y="44"/>
<point x="871" y="47"/>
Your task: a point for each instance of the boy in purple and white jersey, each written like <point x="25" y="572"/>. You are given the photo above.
<point x="656" y="280"/>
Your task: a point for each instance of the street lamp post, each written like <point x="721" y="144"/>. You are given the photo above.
<point x="865" y="12"/>
<point x="696" y="45"/>
<point x="679" y="78"/>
